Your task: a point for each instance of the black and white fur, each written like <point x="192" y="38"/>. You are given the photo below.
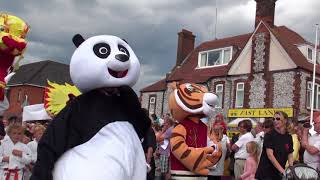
<point x="97" y="135"/>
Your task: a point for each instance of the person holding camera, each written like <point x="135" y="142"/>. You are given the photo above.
<point x="311" y="143"/>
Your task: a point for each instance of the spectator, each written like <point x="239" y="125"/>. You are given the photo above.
<point x="13" y="120"/>
<point x="277" y="149"/>
<point x="156" y="156"/>
<point x="155" y="119"/>
<point x="267" y="125"/>
<point x="234" y="139"/>
<point x="216" y="135"/>
<point x="5" y="122"/>
<point x="27" y="137"/>
<point x="164" y="149"/>
<point x="312" y="143"/>
<point x="293" y="130"/>
<point x="239" y="147"/>
<point x="2" y="130"/>
<point x="14" y="155"/>
<point x="258" y="131"/>
<point x="251" y="164"/>
<point x="219" y="120"/>
<point x="149" y="146"/>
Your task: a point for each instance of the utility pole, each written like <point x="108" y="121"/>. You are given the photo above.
<point x="314" y="77"/>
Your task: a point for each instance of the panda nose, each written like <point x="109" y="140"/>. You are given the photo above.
<point x="122" y="57"/>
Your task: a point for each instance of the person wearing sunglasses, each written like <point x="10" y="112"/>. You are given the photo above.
<point x="277" y="149"/>
<point x="311" y="143"/>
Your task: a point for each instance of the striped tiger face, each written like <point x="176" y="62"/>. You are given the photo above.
<point x="191" y="99"/>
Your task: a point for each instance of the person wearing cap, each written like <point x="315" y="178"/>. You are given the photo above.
<point x="311" y="143"/>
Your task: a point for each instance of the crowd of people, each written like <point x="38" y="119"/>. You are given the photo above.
<point x="18" y="149"/>
<point x="260" y="152"/>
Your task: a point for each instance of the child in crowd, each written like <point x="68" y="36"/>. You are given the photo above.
<point x="14" y="155"/>
<point x="156" y="156"/>
<point x="27" y="137"/>
<point x="215" y="136"/>
<point x="251" y="164"/>
<point x="38" y="131"/>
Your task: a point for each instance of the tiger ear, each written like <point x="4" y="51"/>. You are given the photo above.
<point x="173" y="85"/>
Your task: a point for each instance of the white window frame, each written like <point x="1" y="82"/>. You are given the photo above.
<point x="152" y="104"/>
<point x="220" y="49"/>
<point x="308" y="98"/>
<point x="316" y="95"/>
<point x="219" y="105"/>
<point x="237" y="90"/>
<point x="152" y="100"/>
<point x="308" y="48"/>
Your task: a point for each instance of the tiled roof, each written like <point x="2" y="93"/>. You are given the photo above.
<point x="289" y="39"/>
<point x="38" y="73"/>
<point x="157" y="86"/>
<point x="188" y="72"/>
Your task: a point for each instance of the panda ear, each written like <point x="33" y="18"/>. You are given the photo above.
<point x="77" y="40"/>
<point x="125" y="41"/>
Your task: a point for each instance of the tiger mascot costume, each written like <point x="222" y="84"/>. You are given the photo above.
<point x="190" y="156"/>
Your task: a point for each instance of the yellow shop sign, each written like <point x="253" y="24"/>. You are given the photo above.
<point x="265" y="112"/>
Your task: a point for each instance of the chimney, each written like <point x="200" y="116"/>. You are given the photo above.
<point x="265" y="12"/>
<point x="185" y="45"/>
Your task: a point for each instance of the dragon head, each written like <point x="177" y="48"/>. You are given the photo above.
<point x="13" y="31"/>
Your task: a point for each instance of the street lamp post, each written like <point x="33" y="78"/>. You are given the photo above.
<point x="314" y="77"/>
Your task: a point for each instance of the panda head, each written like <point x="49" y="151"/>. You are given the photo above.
<point x="103" y="61"/>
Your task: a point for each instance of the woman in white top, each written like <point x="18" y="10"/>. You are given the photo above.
<point x="239" y="147"/>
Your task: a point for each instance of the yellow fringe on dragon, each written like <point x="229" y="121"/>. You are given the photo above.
<point x="56" y="96"/>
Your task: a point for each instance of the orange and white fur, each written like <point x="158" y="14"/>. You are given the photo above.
<point x="188" y="103"/>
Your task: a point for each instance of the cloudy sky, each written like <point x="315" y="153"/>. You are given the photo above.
<point x="150" y="26"/>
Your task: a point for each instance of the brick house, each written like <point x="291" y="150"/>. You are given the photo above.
<point x="270" y="67"/>
<point x="27" y="86"/>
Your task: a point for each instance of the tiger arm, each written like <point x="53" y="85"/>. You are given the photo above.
<point x="217" y="153"/>
<point x="194" y="159"/>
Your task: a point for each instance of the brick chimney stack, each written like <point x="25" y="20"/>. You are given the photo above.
<point x="185" y="45"/>
<point x="265" y="11"/>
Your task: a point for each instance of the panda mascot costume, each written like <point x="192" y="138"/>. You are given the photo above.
<point x="97" y="135"/>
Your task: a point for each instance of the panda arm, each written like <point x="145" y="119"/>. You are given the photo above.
<point x="52" y="145"/>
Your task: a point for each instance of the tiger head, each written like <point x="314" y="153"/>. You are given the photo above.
<point x="191" y="100"/>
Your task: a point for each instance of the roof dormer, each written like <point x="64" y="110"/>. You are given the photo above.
<point x="308" y="51"/>
<point x="214" y="57"/>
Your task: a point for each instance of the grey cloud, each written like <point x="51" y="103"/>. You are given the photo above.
<point x="150" y="27"/>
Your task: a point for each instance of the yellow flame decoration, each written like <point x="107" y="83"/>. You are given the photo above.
<point x="57" y="96"/>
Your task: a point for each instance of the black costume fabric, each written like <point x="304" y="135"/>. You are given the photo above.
<point x="150" y="141"/>
<point x="81" y="119"/>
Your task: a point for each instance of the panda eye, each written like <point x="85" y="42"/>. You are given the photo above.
<point x="102" y="50"/>
<point x="123" y="49"/>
